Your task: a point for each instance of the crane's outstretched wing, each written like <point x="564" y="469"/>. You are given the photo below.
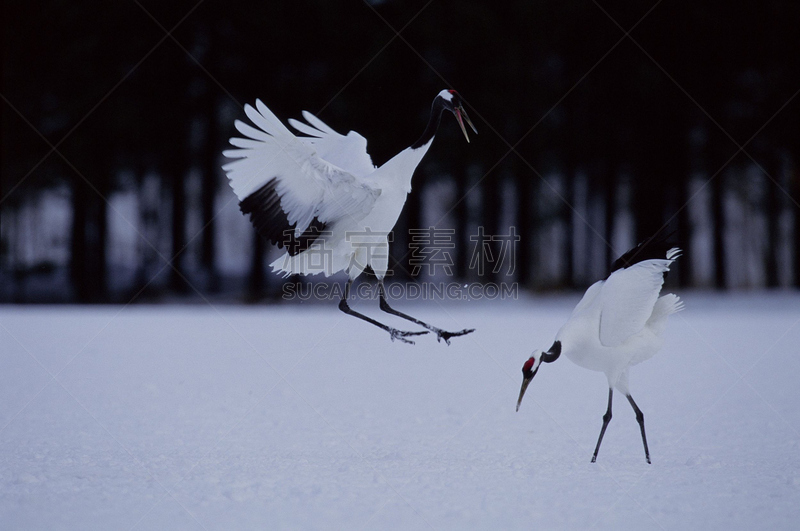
<point x="348" y="152"/>
<point x="286" y="186"/>
<point x="589" y="297"/>
<point x="629" y="295"/>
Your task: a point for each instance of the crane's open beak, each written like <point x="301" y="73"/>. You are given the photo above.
<point x="525" y="381"/>
<point x="461" y="115"/>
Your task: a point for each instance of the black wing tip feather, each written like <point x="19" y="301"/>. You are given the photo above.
<point x="271" y="222"/>
<point x="654" y="247"/>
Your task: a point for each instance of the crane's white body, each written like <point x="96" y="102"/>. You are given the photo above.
<point x="330" y="177"/>
<point x="619" y="322"/>
<point x="357" y="243"/>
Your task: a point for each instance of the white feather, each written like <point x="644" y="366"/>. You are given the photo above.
<point x="629" y="295"/>
<point x="309" y="183"/>
<point x="348" y="152"/>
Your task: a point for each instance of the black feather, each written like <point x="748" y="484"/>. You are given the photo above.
<point x="271" y="222"/>
<point x="654" y="247"/>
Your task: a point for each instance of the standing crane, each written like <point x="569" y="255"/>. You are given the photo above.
<point x="618" y="323"/>
<point x="320" y="197"/>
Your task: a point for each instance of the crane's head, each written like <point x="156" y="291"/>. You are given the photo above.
<point x="529" y="370"/>
<point x="453" y="103"/>
<point x="531" y="367"/>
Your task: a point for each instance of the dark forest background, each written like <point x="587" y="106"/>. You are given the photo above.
<point x="600" y="123"/>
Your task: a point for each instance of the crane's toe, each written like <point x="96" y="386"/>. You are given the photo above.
<point x="444" y="334"/>
<point x="402" y="334"/>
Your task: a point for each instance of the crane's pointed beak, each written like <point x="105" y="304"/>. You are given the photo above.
<point x="525" y="381"/>
<point x="461" y="115"/>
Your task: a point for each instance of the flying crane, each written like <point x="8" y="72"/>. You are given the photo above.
<point x="320" y="197"/>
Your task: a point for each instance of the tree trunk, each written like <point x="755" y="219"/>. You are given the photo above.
<point x="463" y="245"/>
<point x="255" y="284"/>
<point x="524" y="223"/>
<point x="209" y="192"/>
<point x="718" y="219"/>
<point x="794" y="186"/>
<point x="98" y="263"/>
<point x="610" y="188"/>
<point x="177" y="280"/>
<point x="78" y="240"/>
<point x="88" y="243"/>
<point x="490" y="220"/>
<point x="570" y="174"/>
<point x="774" y="210"/>
<point x="684" y="226"/>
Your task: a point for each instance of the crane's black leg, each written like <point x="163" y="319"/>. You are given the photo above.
<point x="606" y="420"/>
<point x="393" y="332"/>
<point x="440" y="334"/>
<point x="640" y="420"/>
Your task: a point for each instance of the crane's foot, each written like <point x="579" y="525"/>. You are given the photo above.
<point x="403" y="334"/>
<point x="444" y="334"/>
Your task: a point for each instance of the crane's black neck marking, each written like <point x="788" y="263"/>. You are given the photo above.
<point x="552" y="355"/>
<point x="433" y="123"/>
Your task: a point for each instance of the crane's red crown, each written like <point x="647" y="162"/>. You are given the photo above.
<point x="528" y="364"/>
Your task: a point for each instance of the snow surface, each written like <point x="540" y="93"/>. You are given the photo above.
<point x="299" y="417"/>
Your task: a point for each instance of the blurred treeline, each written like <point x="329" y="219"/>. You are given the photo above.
<point x="114" y="116"/>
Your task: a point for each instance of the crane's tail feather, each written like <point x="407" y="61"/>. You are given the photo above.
<point x="312" y="261"/>
<point x="299" y="264"/>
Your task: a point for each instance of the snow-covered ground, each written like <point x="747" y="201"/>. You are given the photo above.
<point x="299" y="417"/>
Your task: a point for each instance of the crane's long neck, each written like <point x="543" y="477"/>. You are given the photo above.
<point x="433" y="124"/>
<point x="400" y="168"/>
